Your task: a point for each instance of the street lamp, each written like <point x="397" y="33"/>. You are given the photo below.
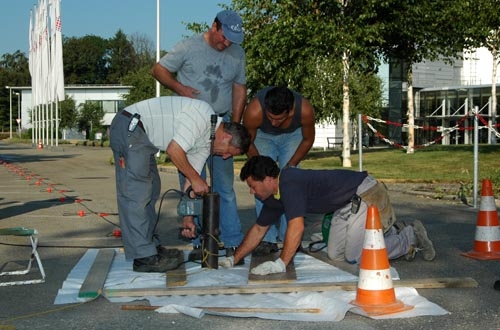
<point x="18" y="118"/>
<point x="10" y="118"/>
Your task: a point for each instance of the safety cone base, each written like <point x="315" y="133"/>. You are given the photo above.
<point x="487" y="236"/>
<point x="482" y="255"/>
<point x="382" y="309"/>
<point x="375" y="293"/>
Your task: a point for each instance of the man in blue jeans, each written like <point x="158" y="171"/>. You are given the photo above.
<point x="281" y="123"/>
<point x="211" y="67"/>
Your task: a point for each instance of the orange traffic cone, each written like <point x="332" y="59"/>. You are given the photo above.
<point x="487" y="238"/>
<point x="375" y="293"/>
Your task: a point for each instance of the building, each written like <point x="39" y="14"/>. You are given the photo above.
<point x="110" y="97"/>
<point x="444" y="95"/>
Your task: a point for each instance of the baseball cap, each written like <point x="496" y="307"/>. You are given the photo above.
<point x="231" y="26"/>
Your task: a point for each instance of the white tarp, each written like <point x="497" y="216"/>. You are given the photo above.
<point x="333" y="304"/>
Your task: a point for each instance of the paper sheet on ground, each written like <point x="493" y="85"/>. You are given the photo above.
<point x="333" y="304"/>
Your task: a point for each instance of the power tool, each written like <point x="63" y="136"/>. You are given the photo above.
<point x="207" y="209"/>
<point x="190" y="206"/>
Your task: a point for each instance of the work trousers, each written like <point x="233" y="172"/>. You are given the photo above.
<point x="347" y="230"/>
<point x="137" y="187"/>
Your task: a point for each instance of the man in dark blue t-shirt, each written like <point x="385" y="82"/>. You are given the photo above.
<point x="296" y="192"/>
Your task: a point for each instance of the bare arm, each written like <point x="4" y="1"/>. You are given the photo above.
<point x="252" y="119"/>
<point x="293" y="238"/>
<point x="167" y="79"/>
<point x="250" y="242"/>
<point x="308" y="133"/>
<point x="179" y="158"/>
<point x="239" y="101"/>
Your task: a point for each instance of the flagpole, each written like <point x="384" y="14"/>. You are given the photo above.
<point x="157" y="42"/>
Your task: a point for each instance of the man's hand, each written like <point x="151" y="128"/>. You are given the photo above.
<point x="189" y="228"/>
<point x="227" y="262"/>
<point x="269" y="267"/>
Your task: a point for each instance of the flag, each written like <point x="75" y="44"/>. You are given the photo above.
<point x="57" y="68"/>
<point x="44" y="53"/>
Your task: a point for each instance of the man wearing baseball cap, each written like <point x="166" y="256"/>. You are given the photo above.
<point x="231" y="26"/>
<point x="211" y="67"/>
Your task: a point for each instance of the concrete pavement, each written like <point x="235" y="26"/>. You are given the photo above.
<point x="73" y="179"/>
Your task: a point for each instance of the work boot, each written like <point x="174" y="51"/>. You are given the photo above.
<point x="167" y="253"/>
<point x="424" y="244"/>
<point x="265" y="248"/>
<point x="154" y="264"/>
<point x="230" y="253"/>
<point x="195" y="254"/>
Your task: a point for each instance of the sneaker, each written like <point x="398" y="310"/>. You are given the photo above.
<point x="265" y="248"/>
<point x="167" y="253"/>
<point x="230" y="252"/>
<point x="195" y="254"/>
<point x="424" y="244"/>
<point x="154" y="264"/>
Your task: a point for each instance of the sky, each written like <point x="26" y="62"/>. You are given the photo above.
<point x="103" y="18"/>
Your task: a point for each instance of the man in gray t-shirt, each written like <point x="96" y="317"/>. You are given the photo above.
<point x="211" y="67"/>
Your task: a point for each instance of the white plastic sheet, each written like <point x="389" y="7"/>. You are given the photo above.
<point x="333" y="305"/>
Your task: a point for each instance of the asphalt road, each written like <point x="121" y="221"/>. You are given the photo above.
<point x="70" y="199"/>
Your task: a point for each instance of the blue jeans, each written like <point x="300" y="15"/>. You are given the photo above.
<point x="280" y="148"/>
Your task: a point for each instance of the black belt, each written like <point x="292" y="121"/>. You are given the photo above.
<point x="222" y="114"/>
<point x="129" y="115"/>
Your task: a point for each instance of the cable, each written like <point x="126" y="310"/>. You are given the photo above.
<point x="161" y="202"/>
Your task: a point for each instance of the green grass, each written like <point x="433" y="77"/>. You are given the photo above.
<point x="434" y="164"/>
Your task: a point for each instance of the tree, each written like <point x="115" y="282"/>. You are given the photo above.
<point x="485" y="32"/>
<point x="89" y="117"/>
<point x="144" y="85"/>
<point x="85" y="60"/>
<point x="144" y="49"/>
<point x="13" y="72"/>
<point x="68" y="113"/>
<point x="291" y="42"/>
<point x="122" y="58"/>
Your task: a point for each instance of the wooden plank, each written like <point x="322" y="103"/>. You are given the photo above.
<point x="229" y="309"/>
<point x="289" y="276"/>
<point x="431" y="283"/>
<point x="93" y="285"/>
<point x="177" y="277"/>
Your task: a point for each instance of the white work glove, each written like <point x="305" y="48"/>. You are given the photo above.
<point x="269" y="267"/>
<point x="227" y="262"/>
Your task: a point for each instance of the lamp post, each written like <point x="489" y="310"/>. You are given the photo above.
<point x="10" y="99"/>
<point x="18" y="118"/>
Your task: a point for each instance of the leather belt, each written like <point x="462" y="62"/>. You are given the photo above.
<point x="222" y="114"/>
<point x="129" y="115"/>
